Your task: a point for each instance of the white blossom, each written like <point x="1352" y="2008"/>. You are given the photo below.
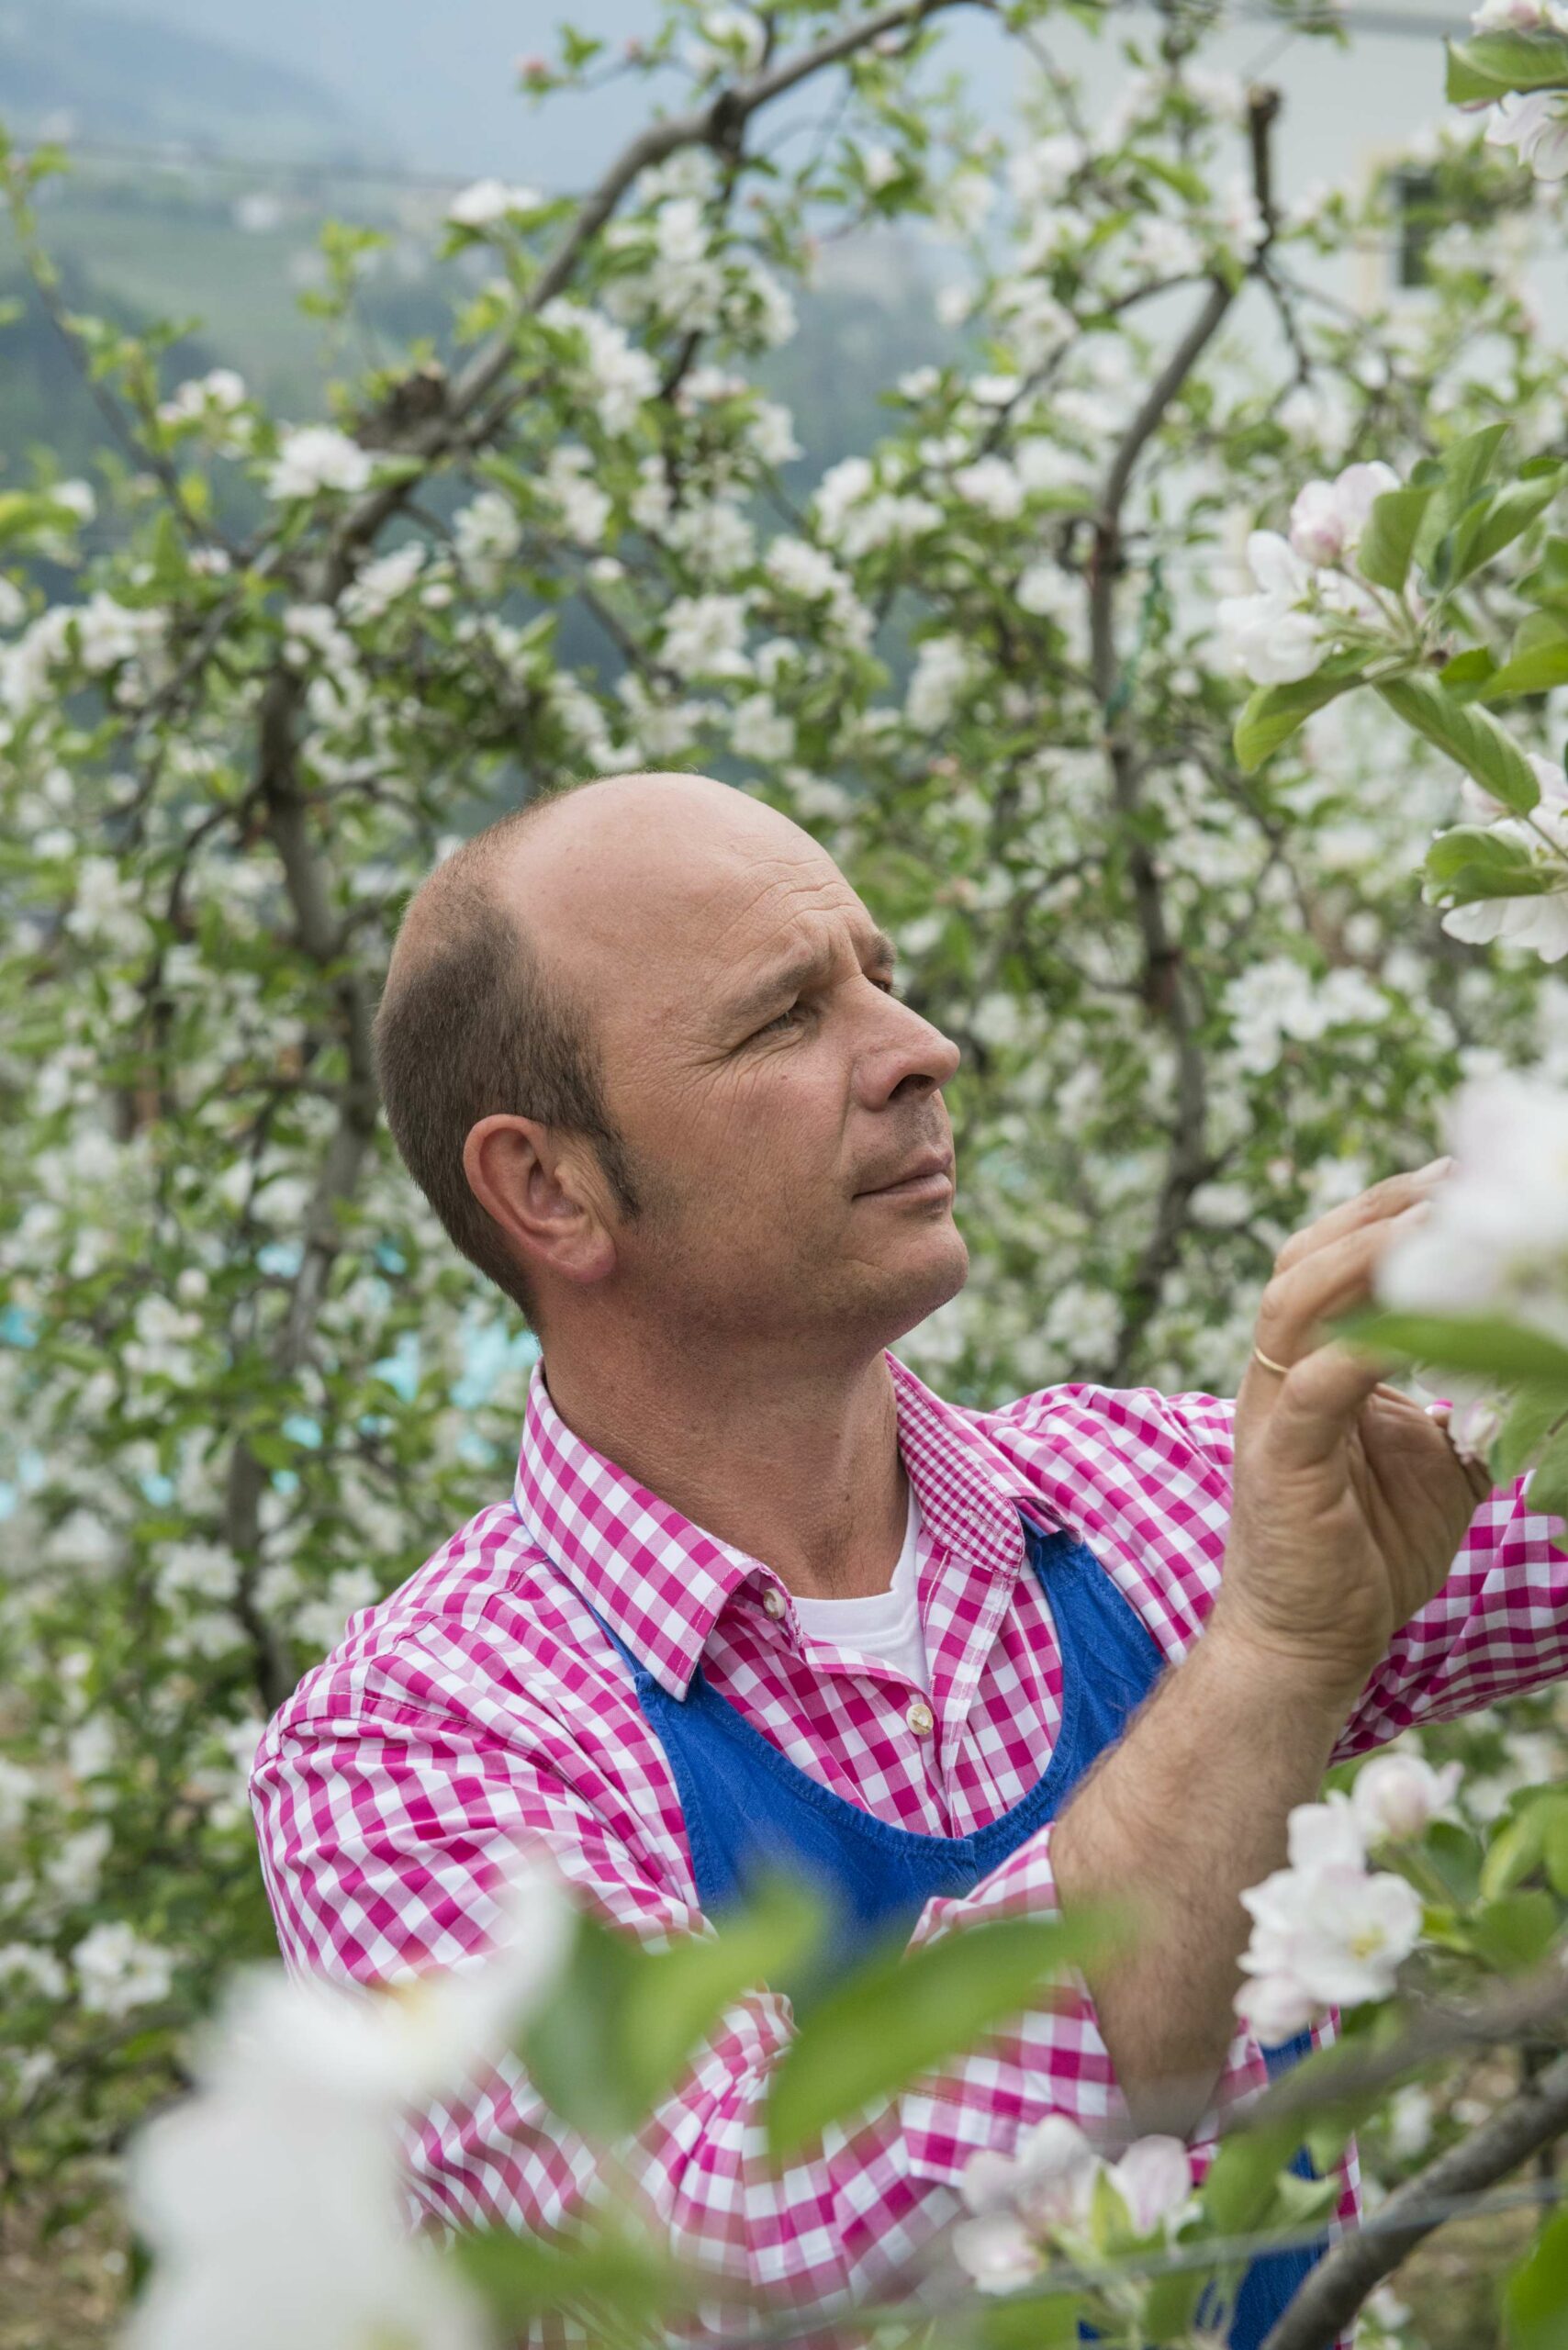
<point x="705" y="637"/>
<point x="485" y="535"/>
<point x="486" y="202"/>
<point x="1328" y="518"/>
<point x="315" y="457"/>
<point x="117" y="1971"/>
<point x="943" y="667"/>
<point x="1267" y="634"/>
<point x="1397" y="1796"/>
<point x="1536" y="126"/>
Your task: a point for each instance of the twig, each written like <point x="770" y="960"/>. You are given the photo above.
<point x="1336" y="2288"/>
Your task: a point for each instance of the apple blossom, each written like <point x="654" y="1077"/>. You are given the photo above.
<point x="1331" y="1931"/>
<point x="315" y="457"/>
<point x="1536" y="126"/>
<point x="486" y="202"/>
<point x="1154" y="2179"/>
<point x="1267" y="634"/>
<point x="1397" y="1797"/>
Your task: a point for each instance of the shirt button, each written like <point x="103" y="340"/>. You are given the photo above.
<point x="919" y="1717"/>
<point x="773" y="1600"/>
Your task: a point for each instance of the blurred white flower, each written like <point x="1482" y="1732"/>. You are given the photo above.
<point x="1328" y="516"/>
<point x="1495" y="1238"/>
<point x="1265" y="634"/>
<point x="996" y="2252"/>
<point x="270" y="2198"/>
<point x="1154" y="2179"/>
<point x="1397" y="1796"/>
<point x="484" y="202"/>
<point x="1536" y="126"/>
<point x="315" y="457"/>
<point x="117" y="1971"/>
<point x="1330" y="1933"/>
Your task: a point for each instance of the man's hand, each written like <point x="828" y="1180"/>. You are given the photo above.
<point x="1349" y="1502"/>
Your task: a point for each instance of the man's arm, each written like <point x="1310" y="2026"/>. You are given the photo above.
<point x="1349" y="1505"/>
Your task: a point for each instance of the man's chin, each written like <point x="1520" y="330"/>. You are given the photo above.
<point x="933" y="1282"/>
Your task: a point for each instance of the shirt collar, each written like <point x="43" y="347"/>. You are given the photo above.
<point x="661" y="1584"/>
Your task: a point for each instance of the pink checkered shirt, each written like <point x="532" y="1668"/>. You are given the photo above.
<point x="482" y="1701"/>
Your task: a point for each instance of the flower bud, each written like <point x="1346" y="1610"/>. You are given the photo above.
<point x="1397" y="1797"/>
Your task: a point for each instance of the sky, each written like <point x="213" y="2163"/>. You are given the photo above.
<point x="438" y="84"/>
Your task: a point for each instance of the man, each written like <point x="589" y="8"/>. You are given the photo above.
<point x="759" y="1591"/>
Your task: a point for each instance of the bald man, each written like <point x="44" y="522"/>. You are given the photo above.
<point x="759" y="1598"/>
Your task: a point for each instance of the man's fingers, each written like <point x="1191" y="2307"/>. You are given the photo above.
<point x="1333" y="1279"/>
<point x="1383" y="1199"/>
<point x="1316" y="1405"/>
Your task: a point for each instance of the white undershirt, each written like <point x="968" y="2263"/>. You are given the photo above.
<point x="886" y="1625"/>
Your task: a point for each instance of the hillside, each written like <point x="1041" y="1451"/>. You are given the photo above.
<point x="71" y="68"/>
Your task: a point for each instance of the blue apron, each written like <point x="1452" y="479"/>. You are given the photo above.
<point x="750" y="1810"/>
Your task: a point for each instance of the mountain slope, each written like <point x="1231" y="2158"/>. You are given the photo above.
<point x="98" y="73"/>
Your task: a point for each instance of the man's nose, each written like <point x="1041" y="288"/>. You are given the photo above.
<point x="914" y="1057"/>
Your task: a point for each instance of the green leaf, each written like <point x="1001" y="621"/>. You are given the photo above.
<point x="1467" y="466"/>
<point x="901" y="2014"/>
<point x="1487" y="529"/>
<point x="1273" y="714"/>
<point x="1467" y="673"/>
<point x="1535" y="672"/>
<point x="1472" y="737"/>
<point x="521" y="2278"/>
<point x="1535" y="2301"/>
<point x="1171" y="2304"/>
<point x="1513" y="1853"/>
<point x="1455" y="1854"/>
<point x="1532" y="1416"/>
<point x="1030" y="2322"/>
<point x="1547" y="583"/>
<point x="623" y="2021"/>
<point x="1471" y="862"/>
<point x="1388" y="541"/>
<point x="1491" y="63"/>
<point x="1243" y="2180"/>
<point x="1548" y="1490"/>
<point x="1516" y="1930"/>
<point x="1478" y="1342"/>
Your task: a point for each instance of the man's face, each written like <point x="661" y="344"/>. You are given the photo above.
<point x="780" y="1108"/>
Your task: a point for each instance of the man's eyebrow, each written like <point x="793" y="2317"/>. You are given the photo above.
<point x="749" y="1004"/>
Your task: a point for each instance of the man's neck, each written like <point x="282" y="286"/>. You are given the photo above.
<point x="802" y="1474"/>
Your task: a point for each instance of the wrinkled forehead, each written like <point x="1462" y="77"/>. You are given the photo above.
<point x="665" y="914"/>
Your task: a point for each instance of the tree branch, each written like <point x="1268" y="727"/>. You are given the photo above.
<point x="1339" y="2285"/>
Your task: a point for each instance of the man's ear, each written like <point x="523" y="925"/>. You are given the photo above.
<point x="546" y="1190"/>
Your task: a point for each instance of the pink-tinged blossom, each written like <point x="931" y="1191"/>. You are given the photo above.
<point x="1536" y="126"/>
<point x="1154" y="2179"/>
<point x="996" y="2252"/>
<point x="1397" y="1797"/>
<point x="1328" y="516"/>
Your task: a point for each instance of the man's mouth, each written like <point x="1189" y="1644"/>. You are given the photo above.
<point x="927" y="1176"/>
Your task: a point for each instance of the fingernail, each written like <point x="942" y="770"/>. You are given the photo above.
<point x="1433" y="1171"/>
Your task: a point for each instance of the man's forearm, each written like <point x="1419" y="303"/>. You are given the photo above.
<point x="1183" y="1814"/>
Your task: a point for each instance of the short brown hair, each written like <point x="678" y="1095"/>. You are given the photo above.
<point x="470" y="1023"/>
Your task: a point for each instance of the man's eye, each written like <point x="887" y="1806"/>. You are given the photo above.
<point x="785" y="1020"/>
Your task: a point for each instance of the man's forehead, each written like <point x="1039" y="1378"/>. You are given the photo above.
<point x="679" y="885"/>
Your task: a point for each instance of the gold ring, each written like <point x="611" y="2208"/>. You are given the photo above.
<point x="1269" y="1363"/>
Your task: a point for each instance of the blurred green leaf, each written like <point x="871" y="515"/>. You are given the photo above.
<point x="603" y="2276"/>
<point x="624" y="2021"/>
<point x="1273" y="714"/>
<point x="1469" y="736"/>
<point x="1493" y="63"/>
<point x="1030" y="2322"/>
<point x="1516" y="1930"/>
<point x="1477" y="1342"/>
<point x="902" y="2013"/>
<point x="1388" y="541"/>
<point x="1531" y="1416"/>
<point x="1467" y="673"/>
<point x="1535" y="2299"/>
<point x="1473" y="862"/>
